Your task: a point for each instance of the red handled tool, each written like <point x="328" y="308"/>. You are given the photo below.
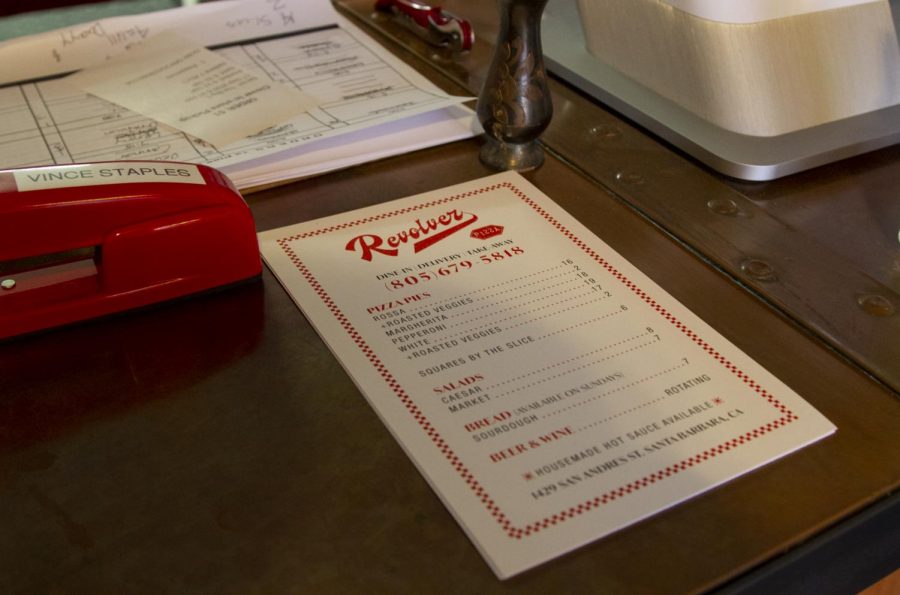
<point x="432" y="23"/>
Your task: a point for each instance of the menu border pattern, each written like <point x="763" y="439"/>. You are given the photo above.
<point x="519" y="532"/>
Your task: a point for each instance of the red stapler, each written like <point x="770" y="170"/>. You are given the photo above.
<point x="83" y="240"/>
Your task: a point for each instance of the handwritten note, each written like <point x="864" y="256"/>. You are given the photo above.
<point x="193" y="90"/>
<point x="214" y="23"/>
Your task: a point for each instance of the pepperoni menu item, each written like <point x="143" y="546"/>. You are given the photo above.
<point x="548" y="390"/>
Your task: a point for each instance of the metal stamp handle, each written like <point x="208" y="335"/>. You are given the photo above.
<point x="515" y="106"/>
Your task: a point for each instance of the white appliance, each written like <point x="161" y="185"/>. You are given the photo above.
<point x="757" y="89"/>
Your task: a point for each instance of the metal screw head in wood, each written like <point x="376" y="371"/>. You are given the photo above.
<point x="514" y="106"/>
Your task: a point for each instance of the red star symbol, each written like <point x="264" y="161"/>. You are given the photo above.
<point x="718" y="401"/>
<point x="528" y="476"/>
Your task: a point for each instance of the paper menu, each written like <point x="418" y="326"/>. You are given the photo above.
<point x="548" y="390"/>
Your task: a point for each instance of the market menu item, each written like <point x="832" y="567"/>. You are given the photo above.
<point x="548" y="390"/>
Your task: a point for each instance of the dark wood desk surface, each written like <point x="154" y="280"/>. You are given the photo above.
<point x="215" y="445"/>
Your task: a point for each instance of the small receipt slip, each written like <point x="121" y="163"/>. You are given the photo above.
<point x="548" y="391"/>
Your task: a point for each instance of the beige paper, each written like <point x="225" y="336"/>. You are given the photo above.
<point x="193" y="90"/>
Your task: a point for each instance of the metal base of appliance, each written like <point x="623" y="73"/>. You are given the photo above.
<point x="737" y="155"/>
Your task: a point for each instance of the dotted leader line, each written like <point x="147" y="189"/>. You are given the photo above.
<point x="521" y="295"/>
<point x="569" y="361"/>
<point x="623" y="413"/>
<point x="612" y="391"/>
<point x="538" y="282"/>
<point x="507" y="282"/>
<point x="536" y="319"/>
<point x="538" y="309"/>
<point x="575" y="326"/>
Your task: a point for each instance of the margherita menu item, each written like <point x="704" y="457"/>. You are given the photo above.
<point x="549" y="391"/>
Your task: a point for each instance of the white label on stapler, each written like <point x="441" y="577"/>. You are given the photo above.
<point x="93" y="174"/>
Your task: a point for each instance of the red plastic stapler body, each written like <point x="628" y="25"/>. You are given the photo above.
<point x="84" y="240"/>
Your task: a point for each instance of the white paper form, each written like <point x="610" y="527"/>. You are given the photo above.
<point x="358" y="83"/>
<point x="548" y="390"/>
<point x="192" y="89"/>
<point x="374" y="142"/>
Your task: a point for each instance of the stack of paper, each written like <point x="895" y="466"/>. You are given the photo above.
<point x="354" y="101"/>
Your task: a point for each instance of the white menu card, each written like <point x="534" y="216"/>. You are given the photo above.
<point x="549" y="391"/>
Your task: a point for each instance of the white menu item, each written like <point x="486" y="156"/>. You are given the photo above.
<point x="549" y="391"/>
